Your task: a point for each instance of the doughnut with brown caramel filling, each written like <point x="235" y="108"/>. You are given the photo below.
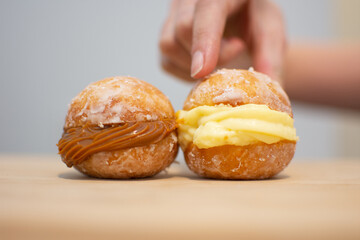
<point x="119" y="127"/>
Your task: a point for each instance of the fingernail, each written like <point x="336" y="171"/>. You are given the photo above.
<point x="197" y="63"/>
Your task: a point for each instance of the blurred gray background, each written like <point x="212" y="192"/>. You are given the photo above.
<point x="51" y="50"/>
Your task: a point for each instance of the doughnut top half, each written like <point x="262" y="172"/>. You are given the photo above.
<point x="238" y="87"/>
<point x="118" y="100"/>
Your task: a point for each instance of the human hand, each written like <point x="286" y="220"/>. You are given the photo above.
<point x="200" y="35"/>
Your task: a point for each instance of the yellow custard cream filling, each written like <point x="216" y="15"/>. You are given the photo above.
<point x="211" y="126"/>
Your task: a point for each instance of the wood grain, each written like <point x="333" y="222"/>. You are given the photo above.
<point x="40" y="198"/>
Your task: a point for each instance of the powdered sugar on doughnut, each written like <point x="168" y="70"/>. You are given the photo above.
<point x="237" y="87"/>
<point x="116" y="100"/>
<point x="229" y="95"/>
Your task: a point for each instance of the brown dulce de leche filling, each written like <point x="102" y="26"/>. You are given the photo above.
<point x="79" y="143"/>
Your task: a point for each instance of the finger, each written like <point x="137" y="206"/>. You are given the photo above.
<point x="267" y="55"/>
<point x="209" y="22"/>
<point x="242" y="61"/>
<point x="173" y="69"/>
<point x="230" y="48"/>
<point x="184" y="23"/>
<point x="173" y="51"/>
<point x="269" y="42"/>
<point x="169" y="47"/>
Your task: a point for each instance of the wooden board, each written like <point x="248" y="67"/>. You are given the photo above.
<point x="40" y="198"/>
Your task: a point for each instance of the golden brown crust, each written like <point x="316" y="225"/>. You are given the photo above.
<point x="256" y="161"/>
<point x="137" y="162"/>
<point x="121" y="100"/>
<point x="238" y="87"/>
<point x="117" y="100"/>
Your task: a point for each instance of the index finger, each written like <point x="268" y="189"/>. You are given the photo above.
<point x="209" y="22"/>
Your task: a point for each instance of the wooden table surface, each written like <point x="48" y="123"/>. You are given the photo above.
<point x="40" y="198"/>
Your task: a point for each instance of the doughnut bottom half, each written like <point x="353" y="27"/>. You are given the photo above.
<point x="256" y="161"/>
<point x="136" y="162"/>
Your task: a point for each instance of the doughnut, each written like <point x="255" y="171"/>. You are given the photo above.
<point x="119" y="127"/>
<point x="237" y="124"/>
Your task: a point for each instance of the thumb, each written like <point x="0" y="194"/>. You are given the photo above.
<point x="269" y="42"/>
<point x="267" y="58"/>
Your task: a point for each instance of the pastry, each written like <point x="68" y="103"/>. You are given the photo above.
<point x="119" y="127"/>
<point x="237" y="124"/>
